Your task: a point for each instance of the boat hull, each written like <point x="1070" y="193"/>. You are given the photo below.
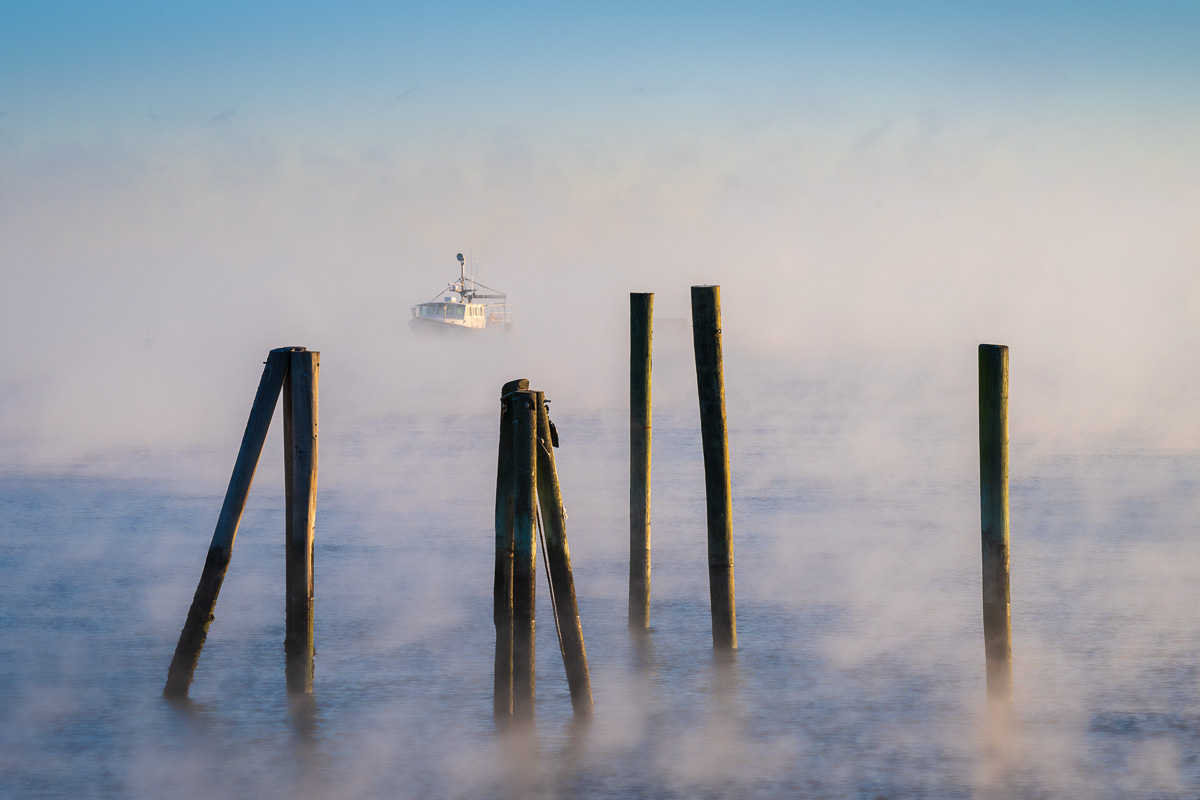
<point x="424" y="326"/>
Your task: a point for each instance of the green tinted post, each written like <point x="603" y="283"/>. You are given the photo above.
<point x="993" y="484"/>
<point x="710" y="384"/>
<point x="523" y="415"/>
<point x="502" y="589"/>
<point x="300" y="395"/>
<point x="641" y="320"/>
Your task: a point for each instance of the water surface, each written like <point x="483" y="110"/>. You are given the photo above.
<point x="859" y="673"/>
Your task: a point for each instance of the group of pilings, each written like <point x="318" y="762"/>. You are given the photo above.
<point x="295" y="372"/>
<point x="714" y="435"/>
<point x="529" y="498"/>
<point x="706" y="336"/>
<point x="526" y="470"/>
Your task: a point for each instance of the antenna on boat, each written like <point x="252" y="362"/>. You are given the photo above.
<point x="462" y="264"/>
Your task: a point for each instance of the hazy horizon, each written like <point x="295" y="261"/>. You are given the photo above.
<point x="183" y="189"/>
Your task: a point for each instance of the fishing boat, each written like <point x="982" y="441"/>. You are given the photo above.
<point x="465" y="306"/>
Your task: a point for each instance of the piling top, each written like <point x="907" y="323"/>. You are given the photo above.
<point x="518" y="385"/>
<point x="708" y="295"/>
<point x="290" y="350"/>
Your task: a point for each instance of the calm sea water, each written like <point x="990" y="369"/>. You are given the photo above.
<point x="859" y="673"/>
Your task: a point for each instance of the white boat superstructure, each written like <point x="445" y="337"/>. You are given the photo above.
<point x="463" y="307"/>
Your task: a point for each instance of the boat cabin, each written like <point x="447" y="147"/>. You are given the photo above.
<point x="453" y="311"/>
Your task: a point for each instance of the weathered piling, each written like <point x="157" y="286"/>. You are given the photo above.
<point x="200" y="614"/>
<point x="502" y="591"/>
<point x="993" y="495"/>
<point x="558" y="565"/>
<point x="523" y="413"/>
<point x="710" y="384"/>
<point x="641" y="330"/>
<point x="300" y="404"/>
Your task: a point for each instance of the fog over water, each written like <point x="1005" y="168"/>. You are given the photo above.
<point x="859" y="671"/>
<point x="876" y="189"/>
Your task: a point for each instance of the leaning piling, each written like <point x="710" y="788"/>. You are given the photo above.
<point x="279" y="366"/>
<point x="558" y="568"/>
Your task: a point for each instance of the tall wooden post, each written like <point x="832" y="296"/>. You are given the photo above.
<point x="710" y="383"/>
<point x="502" y="591"/>
<point x="641" y="329"/>
<point x="300" y="481"/>
<point x="204" y="602"/>
<point x="993" y="485"/>
<point x="523" y="413"/>
<point x="558" y="564"/>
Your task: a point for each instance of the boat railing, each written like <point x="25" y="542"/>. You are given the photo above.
<point x="498" y="314"/>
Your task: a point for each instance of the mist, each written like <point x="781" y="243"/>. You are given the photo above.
<point x="162" y="284"/>
<point x="875" y="194"/>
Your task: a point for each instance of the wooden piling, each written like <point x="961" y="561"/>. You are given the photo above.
<point x="710" y="384"/>
<point x="502" y="591"/>
<point x="523" y="413"/>
<point x="200" y="614"/>
<point x="641" y="330"/>
<point x="558" y="565"/>
<point x="300" y="404"/>
<point x="993" y="485"/>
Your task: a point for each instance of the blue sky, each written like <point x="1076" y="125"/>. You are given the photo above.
<point x="298" y="70"/>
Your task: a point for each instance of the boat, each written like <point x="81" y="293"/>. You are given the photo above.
<point x="465" y="306"/>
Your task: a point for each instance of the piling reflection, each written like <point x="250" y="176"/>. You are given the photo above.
<point x="304" y="715"/>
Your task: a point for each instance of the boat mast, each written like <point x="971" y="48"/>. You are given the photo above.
<point x="461" y="285"/>
<point x="473" y="294"/>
